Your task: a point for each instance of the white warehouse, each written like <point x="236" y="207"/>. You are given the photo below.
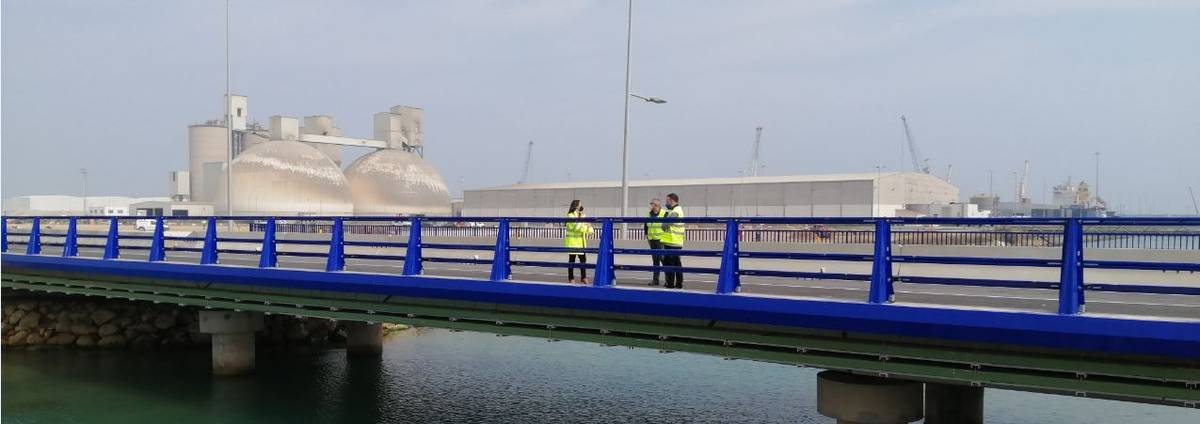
<point x="830" y="195"/>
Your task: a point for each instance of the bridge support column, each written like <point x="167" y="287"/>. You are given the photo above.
<point x="947" y="403"/>
<point x="364" y="339"/>
<point x="860" y="399"/>
<point x="232" y="340"/>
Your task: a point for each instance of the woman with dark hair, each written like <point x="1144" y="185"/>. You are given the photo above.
<point x="576" y="238"/>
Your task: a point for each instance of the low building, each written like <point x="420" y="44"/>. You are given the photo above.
<point x="832" y="195"/>
<point x="58" y="205"/>
<point x="168" y="208"/>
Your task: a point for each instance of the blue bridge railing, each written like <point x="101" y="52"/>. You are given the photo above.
<point x="1070" y="235"/>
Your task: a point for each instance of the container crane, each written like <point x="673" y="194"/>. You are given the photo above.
<point x="525" y="170"/>
<point x="1194" y="205"/>
<point x="917" y="160"/>
<point x="754" y="162"/>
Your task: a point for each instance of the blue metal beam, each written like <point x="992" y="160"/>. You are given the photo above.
<point x="112" y="245"/>
<point x="501" y="267"/>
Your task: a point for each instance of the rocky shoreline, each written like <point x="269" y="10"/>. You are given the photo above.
<point x="43" y="322"/>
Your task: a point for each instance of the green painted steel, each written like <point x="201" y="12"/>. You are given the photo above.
<point x="1124" y="380"/>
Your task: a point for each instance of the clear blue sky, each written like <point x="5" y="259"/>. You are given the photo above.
<point x="112" y="86"/>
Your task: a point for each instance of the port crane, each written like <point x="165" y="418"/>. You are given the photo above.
<point x="525" y="170"/>
<point x="917" y="161"/>
<point x="1195" y="207"/>
<point x="754" y="161"/>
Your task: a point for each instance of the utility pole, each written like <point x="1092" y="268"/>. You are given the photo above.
<point x="1097" y="196"/>
<point x="84" y="172"/>
<point x="991" y="191"/>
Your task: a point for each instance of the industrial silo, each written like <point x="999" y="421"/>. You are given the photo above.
<point x="284" y="177"/>
<point x="396" y="182"/>
<point x="207" y="150"/>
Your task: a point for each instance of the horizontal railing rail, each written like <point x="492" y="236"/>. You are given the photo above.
<point x="1070" y="236"/>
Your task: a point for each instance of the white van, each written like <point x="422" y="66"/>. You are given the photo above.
<point x="148" y="224"/>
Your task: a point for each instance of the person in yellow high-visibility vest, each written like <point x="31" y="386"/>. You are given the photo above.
<point x="654" y="233"/>
<point x="576" y="238"/>
<point x="673" y="238"/>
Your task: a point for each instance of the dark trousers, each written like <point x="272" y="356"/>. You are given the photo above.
<point x="571" y="257"/>
<point x="674" y="279"/>
<point x="657" y="260"/>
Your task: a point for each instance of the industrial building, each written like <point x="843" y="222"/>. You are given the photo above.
<point x="294" y="169"/>
<point x="56" y="205"/>
<point x="832" y="195"/>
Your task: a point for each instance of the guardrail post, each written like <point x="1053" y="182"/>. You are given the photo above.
<point x="35" y="238"/>
<point x="158" y="251"/>
<point x="881" y="268"/>
<point x="268" y="259"/>
<point x="604" y="257"/>
<point x="208" y="255"/>
<point x="4" y="234"/>
<point x="412" y="254"/>
<point x="71" y="242"/>
<point x="1070" y="290"/>
<point x="112" y="247"/>
<point x="501" y="269"/>
<point x="337" y="248"/>
<point x="729" y="280"/>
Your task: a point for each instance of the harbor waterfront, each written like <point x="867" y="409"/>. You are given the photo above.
<point x="427" y="375"/>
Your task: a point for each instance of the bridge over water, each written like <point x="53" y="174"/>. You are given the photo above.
<point x="891" y="312"/>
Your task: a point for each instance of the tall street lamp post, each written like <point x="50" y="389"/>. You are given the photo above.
<point x="625" y="138"/>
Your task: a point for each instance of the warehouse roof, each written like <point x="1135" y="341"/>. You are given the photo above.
<point x="703" y="181"/>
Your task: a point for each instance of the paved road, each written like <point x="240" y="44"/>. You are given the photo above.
<point x="1098" y="303"/>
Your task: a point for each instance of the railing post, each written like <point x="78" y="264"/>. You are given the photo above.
<point x="881" y="268"/>
<point x="268" y="259"/>
<point x="35" y="238"/>
<point x="158" y="251"/>
<point x="604" y="257"/>
<point x="501" y="269"/>
<point x="337" y="248"/>
<point x="4" y="234"/>
<point x="71" y="242"/>
<point x="208" y="255"/>
<point x="1070" y="291"/>
<point x="729" y="280"/>
<point x="112" y="247"/>
<point x="412" y="254"/>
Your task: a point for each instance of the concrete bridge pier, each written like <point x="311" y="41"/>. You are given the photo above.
<point x="948" y="403"/>
<point x="232" y="340"/>
<point x="859" y="399"/>
<point x="364" y="339"/>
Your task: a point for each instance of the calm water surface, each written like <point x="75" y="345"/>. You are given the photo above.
<point x="434" y="376"/>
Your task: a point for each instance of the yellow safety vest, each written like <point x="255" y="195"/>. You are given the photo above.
<point x="674" y="232"/>
<point x="654" y="230"/>
<point x="577" y="232"/>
